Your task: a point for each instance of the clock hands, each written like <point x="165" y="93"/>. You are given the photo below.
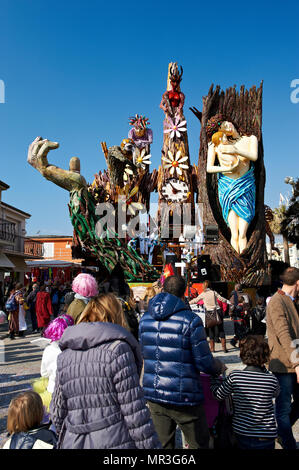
<point x="174" y="191"/>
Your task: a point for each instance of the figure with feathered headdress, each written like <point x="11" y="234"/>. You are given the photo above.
<point x="141" y="135"/>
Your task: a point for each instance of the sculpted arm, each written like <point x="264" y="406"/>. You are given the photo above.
<point x="66" y="179"/>
<point x="211" y="168"/>
<point x="246" y="147"/>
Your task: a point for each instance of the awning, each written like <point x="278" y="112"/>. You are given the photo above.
<point x="50" y="263"/>
<point x="5" y="263"/>
<point x="19" y="262"/>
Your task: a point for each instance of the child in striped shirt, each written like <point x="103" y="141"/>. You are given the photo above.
<point x="253" y="391"/>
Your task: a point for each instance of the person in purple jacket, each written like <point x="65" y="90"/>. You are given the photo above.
<point x="175" y="350"/>
<point x="98" y="402"/>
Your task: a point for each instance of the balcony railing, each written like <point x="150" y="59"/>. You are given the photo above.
<point x="7" y="231"/>
<point x="33" y="248"/>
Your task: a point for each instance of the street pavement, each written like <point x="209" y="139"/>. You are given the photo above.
<point x="20" y="364"/>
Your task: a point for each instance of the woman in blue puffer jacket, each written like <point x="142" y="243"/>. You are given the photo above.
<point x="98" y="402"/>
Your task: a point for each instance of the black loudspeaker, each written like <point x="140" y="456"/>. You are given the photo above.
<point x="215" y="273"/>
<point x="171" y="258"/>
<point x="211" y="233"/>
<point x="204" y="265"/>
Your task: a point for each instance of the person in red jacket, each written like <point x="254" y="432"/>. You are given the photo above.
<point x="43" y="307"/>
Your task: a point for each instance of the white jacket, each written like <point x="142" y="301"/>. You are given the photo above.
<point x="49" y="364"/>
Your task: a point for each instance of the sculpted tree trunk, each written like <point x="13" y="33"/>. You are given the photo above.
<point x="244" y="110"/>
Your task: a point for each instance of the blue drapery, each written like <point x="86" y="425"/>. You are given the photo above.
<point x="237" y="195"/>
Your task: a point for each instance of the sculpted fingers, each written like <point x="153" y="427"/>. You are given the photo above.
<point x="32" y="153"/>
<point x="38" y="150"/>
<point x="45" y="146"/>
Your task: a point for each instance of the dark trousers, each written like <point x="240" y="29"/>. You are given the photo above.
<point x="191" y="420"/>
<point x="240" y="330"/>
<point x="247" y="442"/>
<point x="287" y="411"/>
<point x="33" y="318"/>
<point x="13" y="323"/>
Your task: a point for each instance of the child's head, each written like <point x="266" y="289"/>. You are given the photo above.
<point x="56" y="327"/>
<point x="25" y="412"/>
<point x="254" y="351"/>
<point x="260" y="302"/>
<point x="86" y="285"/>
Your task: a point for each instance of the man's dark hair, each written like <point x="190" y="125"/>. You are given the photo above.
<point x="254" y="350"/>
<point x="290" y="276"/>
<point x="175" y="285"/>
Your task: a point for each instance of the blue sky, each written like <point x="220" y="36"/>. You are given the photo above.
<point x="74" y="71"/>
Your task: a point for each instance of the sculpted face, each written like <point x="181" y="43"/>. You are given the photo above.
<point x="228" y="128"/>
<point x="139" y="131"/>
<point x="174" y="84"/>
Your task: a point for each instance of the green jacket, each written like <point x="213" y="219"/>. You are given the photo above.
<point x="75" y="308"/>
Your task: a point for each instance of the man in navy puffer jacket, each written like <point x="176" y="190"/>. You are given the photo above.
<point x="175" y="350"/>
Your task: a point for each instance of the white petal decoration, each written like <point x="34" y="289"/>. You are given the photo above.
<point x="183" y="159"/>
<point x="178" y="133"/>
<point x="185" y="167"/>
<point x="168" y="166"/>
<point x="182" y="123"/>
<point x="131" y="210"/>
<point x="172" y="170"/>
<point x="167" y="160"/>
<point x="147" y="162"/>
<point x="178" y="154"/>
<point x="179" y="171"/>
<point x="182" y="129"/>
<point x="129" y="171"/>
<point x="170" y="155"/>
<point x="166" y="131"/>
<point x="172" y="135"/>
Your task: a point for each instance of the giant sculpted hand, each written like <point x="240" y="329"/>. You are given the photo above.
<point x="67" y="179"/>
<point x="38" y="151"/>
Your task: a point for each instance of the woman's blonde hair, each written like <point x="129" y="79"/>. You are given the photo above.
<point x="149" y="293"/>
<point x="104" y="308"/>
<point x="131" y="300"/>
<point x="25" y="412"/>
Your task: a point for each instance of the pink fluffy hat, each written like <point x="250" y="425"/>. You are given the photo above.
<point x="85" y="285"/>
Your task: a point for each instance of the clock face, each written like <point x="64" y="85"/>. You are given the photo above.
<point x="175" y="190"/>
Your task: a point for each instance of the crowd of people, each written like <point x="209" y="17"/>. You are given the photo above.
<point x="121" y="373"/>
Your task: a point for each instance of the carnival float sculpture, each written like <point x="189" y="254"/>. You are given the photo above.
<point x="231" y="181"/>
<point x="174" y="186"/>
<point x="106" y="251"/>
<point x="228" y="181"/>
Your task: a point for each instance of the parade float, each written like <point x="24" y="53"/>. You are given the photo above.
<point x="227" y="184"/>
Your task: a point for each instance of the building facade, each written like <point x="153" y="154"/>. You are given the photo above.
<point x="293" y="254"/>
<point x="55" y="246"/>
<point x="13" y="247"/>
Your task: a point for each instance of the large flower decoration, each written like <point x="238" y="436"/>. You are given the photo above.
<point x="175" y="163"/>
<point x="131" y="206"/>
<point x="141" y="159"/>
<point x="175" y="128"/>
<point x="127" y="172"/>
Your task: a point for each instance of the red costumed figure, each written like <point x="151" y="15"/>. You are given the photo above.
<point x="43" y="308"/>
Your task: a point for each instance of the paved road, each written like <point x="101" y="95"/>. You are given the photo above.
<point x="20" y="364"/>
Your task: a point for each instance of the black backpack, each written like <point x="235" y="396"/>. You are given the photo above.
<point x="131" y="317"/>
